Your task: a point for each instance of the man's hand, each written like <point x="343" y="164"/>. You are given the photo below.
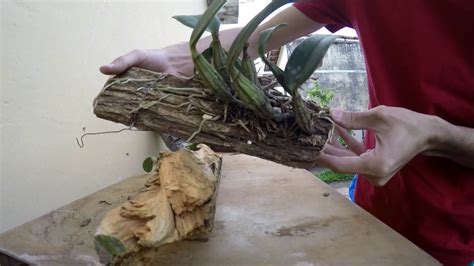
<point x="174" y="60"/>
<point x="400" y="135"/>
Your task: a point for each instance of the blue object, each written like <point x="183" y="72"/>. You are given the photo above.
<point x="352" y="187"/>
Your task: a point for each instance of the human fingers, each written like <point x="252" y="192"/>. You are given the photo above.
<point x="349" y="164"/>
<point x="122" y="63"/>
<point x="352" y="143"/>
<point x="356" y="120"/>
<point x="374" y="170"/>
<point x="341" y="152"/>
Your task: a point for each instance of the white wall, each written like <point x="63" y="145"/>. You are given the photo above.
<point x="50" y="54"/>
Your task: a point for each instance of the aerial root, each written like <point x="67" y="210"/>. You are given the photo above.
<point x="204" y="119"/>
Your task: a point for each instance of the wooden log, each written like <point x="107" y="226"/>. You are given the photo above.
<point x="178" y="202"/>
<point x="184" y="108"/>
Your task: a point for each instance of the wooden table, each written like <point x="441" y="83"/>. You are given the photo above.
<point x="266" y="214"/>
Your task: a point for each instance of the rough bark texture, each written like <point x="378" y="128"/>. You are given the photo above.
<point x="183" y="108"/>
<point x="178" y="202"/>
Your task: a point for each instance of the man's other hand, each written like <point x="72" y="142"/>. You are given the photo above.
<point x="400" y="135"/>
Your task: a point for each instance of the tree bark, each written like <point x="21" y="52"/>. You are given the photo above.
<point x="184" y="108"/>
<point x="178" y="202"/>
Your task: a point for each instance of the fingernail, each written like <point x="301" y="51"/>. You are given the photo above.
<point x="336" y="114"/>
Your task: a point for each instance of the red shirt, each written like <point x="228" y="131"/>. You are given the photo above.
<point x="419" y="55"/>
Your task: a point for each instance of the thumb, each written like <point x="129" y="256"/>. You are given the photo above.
<point x="353" y="120"/>
<point x="123" y="63"/>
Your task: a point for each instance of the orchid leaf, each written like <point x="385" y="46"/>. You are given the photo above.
<point x="248" y="67"/>
<point x="208" y="54"/>
<point x="205" y="21"/>
<point x="192" y="20"/>
<point x="243" y="36"/>
<point x="306" y="58"/>
<point x="263" y="39"/>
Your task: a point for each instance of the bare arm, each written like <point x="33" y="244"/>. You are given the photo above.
<point x="298" y="25"/>
<point x="453" y="142"/>
<point x="176" y="59"/>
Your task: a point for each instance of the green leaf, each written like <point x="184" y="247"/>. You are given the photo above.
<point x="148" y="164"/>
<point x="208" y="54"/>
<point x="248" y="67"/>
<point x="192" y="20"/>
<point x="303" y="115"/>
<point x="252" y="97"/>
<point x="263" y="39"/>
<point x="109" y="248"/>
<point x="211" y="78"/>
<point x="329" y="176"/>
<point x="219" y="58"/>
<point x="306" y="58"/>
<point x="205" y="22"/>
<point x="214" y="25"/>
<point x="323" y="96"/>
<point x="188" y="20"/>
<point x="243" y="36"/>
<point x="192" y="147"/>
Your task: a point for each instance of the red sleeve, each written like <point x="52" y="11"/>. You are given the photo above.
<point x="333" y="13"/>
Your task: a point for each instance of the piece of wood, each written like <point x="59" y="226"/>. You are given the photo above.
<point x="176" y="203"/>
<point x="183" y="108"/>
<point x="266" y="214"/>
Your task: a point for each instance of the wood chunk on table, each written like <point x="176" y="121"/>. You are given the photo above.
<point x="176" y="203"/>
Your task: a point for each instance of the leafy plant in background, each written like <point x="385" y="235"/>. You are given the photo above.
<point x="328" y="176"/>
<point x="323" y="96"/>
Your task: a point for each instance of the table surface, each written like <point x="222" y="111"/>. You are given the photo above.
<point x="266" y="214"/>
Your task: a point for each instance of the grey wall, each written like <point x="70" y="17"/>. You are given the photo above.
<point x="229" y="13"/>
<point x="343" y="72"/>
